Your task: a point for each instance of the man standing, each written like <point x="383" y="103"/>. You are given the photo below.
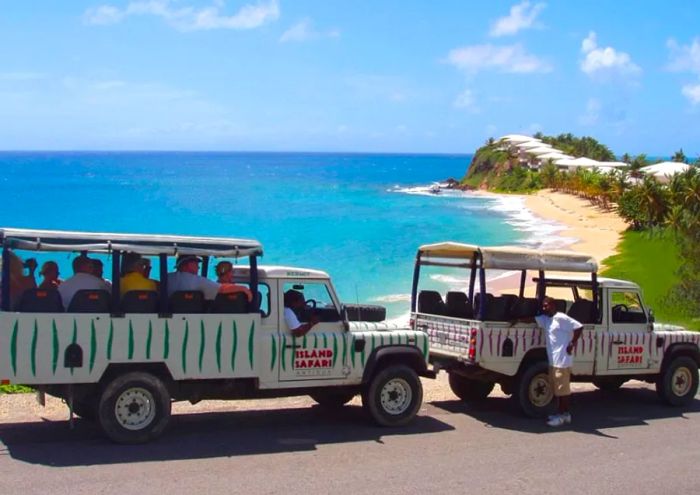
<point x="561" y="333"/>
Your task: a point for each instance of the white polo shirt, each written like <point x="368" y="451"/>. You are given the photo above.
<point x="559" y="332"/>
<point x="189" y="281"/>
<point x="80" y="281"/>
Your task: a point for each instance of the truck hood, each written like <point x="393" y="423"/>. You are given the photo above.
<point x="667" y="327"/>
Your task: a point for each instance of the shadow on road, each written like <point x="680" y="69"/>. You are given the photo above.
<point x="203" y="435"/>
<point x="593" y="411"/>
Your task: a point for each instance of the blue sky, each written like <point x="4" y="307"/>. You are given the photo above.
<point x="331" y="75"/>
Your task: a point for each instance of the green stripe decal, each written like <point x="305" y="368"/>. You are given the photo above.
<point x="303" y="342"/>
<point x="315" y="341"/>
<point x="345" y="349"/>
<point x="325" y="341"/>
<point x="234" y="346"/>
<point x="274" y="353"/>
<point x="218" y="347"/>
<point x="202" y="344"/>
<point x="34" y="339"/>
<point x="131" y="340"/>
<point x="352" y="351"/>
<point x="148" y="339"/>
<point x="335" y="349"/>
<point x="75" y="337"/>
<point x="13" y="347"/>
<point x="54" y="356"/>
<point x="166" y="340"/>
<point x="294" y="350"/>
<point x="93" y="344"/>
<point x="362" y="353"/>
<point x="425" y="346"/>
<point x="110" y="339"/>
<point x="381" y="340"/>
<point x="391" y="339"/>
<point x="283" y="348"/>
<point x="184" y="346"/>
<point x="251" y="343"/>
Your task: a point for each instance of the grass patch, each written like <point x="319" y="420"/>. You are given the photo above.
<point x="15" y="389"/>
<point x="651" y="260"/>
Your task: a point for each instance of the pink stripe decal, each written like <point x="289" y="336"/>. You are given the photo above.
<point x="491" y="342"/>
<point x="515" y="349"/>
<point x="498" y="346"/>
<point x="481" y="344"/>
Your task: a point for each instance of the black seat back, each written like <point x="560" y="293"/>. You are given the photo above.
<point x="90" y="301"/>
<point x="482" y="301"/>
<point x="582" y="311"/>
<point x="430" y="302"/>
<point x="524" y="308"/>
<point x="499" y="308"/>
<point x="560" y="305"/>
<point x="233" y="302"/>
<point x="457" y="305"/>
<point x="187" y="301"/>
<point x="40" y="301"/>
<point x="140" y="301"/>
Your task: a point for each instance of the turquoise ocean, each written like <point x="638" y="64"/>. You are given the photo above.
<point x="359" y="217"/>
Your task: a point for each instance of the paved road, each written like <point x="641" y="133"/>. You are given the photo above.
<point x="623" y="443"/>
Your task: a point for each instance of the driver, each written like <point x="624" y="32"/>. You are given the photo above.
<point x="294" y="300"/>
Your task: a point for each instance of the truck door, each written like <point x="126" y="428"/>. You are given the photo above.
<point x="321" y="353"/>
<point x="628" y="343"/>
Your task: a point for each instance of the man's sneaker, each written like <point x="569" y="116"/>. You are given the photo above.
<point x="557" y="420"/>
<point x="566" y="417"/>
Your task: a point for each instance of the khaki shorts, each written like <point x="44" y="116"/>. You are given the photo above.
<point x="560" y="378"/>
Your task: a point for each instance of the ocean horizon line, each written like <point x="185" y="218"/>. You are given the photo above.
<point x="232" y="152"/>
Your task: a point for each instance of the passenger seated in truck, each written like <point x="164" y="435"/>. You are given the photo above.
<point x="224" y="273"/>
<point x="49" y="271"/>
<point x="19" y="282"/>
<point x="187" y="278"/>
<point x="98" y="271"/>
<point x="83" y="279"/>
<point x="136" y="276"/>
<point x="293" y="302"/>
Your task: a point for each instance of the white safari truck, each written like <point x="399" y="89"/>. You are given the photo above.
<point x="123" y="360"/>
<point x="474" y="339"/>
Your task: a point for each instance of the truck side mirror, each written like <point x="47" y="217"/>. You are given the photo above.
<point x="344" y="314"/>
<point x="652" y="318"/>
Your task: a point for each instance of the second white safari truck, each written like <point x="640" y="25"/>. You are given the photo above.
<point x="122" y="359"/>
<point x="475" y="338"/>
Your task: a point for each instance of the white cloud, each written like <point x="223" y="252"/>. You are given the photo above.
<point x="692" y="92"/>
<point x="522" y="16"/>
<point x="188" y="18"/>
<point x="684" y="58"/>
<point x="509" y="58"/>
<point x="592" y="114"/>
<point x="465" y="100"/>
<point x="304" y="31"/>
<point x="605" y="60"/>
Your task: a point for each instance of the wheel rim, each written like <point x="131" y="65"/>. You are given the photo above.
<point x="135" y="409"/>
<point x="681" y="381"/>
<point x="395" y="396"/>
<point x="540" y="391"/>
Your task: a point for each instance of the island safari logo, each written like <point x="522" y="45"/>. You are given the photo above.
<point x="313" y="362"/>
<point x="630" y="356"/>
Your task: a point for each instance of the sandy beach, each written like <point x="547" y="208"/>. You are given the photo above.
<point x="597" y="231"/>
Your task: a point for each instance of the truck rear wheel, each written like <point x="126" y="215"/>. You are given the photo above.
<point x="468" y="389"/>
<point x="332" y="399"/>
<point x="393" y="396"/>
<point x="533" y="390"/>
<point x="678" y="383"/>
<point x="134" y="408"/>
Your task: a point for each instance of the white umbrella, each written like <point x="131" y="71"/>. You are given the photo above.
<point x="663" y="171"/>
<point x="554" y="155"/>
<point x="532" y="144"/>
<point x="541" y="150"/>
<point x="578" y="162"/>
<point x="613" y="164"/>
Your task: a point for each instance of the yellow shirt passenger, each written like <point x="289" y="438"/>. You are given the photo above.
<point x="137" y="277"/>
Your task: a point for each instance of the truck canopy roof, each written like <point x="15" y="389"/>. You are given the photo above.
<point x="512" y="257"/>
<point x="58" y="240"/>
<point x="290" y="272"/>
<point x="603" y="282"/>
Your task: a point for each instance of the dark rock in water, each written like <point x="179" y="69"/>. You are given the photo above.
<point x="453" y="183"/>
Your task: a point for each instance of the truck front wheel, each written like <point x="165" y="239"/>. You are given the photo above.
<point x="134" y="408"/>
<point x="469" y="390"/>
<point x="678" y="383"/>
<point x="533" y="390"/>
<point x="393" y="396"/>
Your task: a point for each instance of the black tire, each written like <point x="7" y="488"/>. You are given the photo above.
<point x="469" y="390"/>
<point x="610" y="384"/>
<point x="393" y="396"/>
<point x="678" y="382"/>
<point x="332" y="399"/>
<point x="533" y="390"/>
<point x="86" y="408"/>
<point x="365" y="312"/>
<point x="134" y="408"/>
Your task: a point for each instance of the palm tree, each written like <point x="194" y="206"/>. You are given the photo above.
<point x="679" y="156"/>
<point x="627" y="158"/>
<point x="654" y="201"/>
